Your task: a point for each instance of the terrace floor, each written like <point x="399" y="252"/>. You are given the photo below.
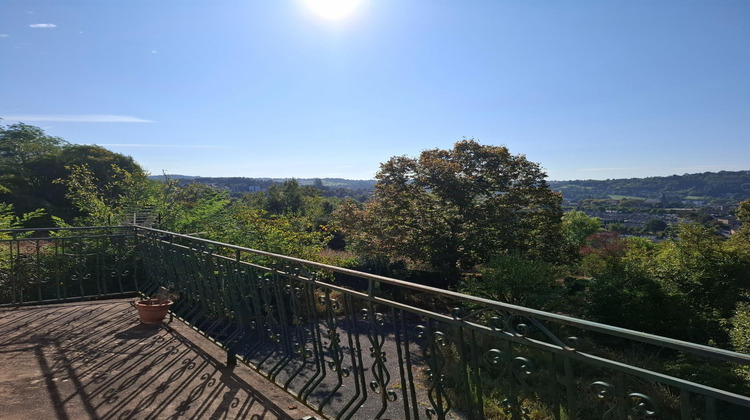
<point x="96" y="360"/>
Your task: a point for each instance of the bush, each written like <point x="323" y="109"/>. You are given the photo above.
<point x="516" y="280"/>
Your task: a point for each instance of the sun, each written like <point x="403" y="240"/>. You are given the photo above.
<point x="332" y="9"/>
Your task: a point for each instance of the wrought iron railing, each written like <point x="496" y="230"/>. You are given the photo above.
<point x="356" y="345"/>
<point x="64" y="264"/>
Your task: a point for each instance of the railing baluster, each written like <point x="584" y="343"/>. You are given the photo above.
<point x="554" y="383"/>
<point x="570" y="387"/>
<point x="38" y="269"/>
<point x="56" y="262"/>
<point x="685" y="408"/>
<point x="710" y="408"/>
<point x="353" y="373"/>
<point x="14" y="274"/>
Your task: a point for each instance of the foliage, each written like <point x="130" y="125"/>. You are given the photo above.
<point x="277" y="234"/>
<point x="102" y="203"/>
<point x="191" y="208"/>
<point x="632" y="299"/>
<point x="701" y="269"/>
<point x="516" y="280"/>
<point x="30" y="162"/>
<point x="577" y="226"/>
<point x="684" y="287"/>
<point x="198" y="209"/>
<point x="20" y="145"/>
<point x="655" y="225"/>
<point x="739" y="334"/>
<point x="743" y="212"/>
<point x="453" y="209"/>
<point x="239" y="186"/>
<point x="9" y="219"/>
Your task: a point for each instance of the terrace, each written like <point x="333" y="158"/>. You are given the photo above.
<point x="259" y="335"/>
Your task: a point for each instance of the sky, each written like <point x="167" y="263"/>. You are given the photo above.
<point x="589" y="89"/>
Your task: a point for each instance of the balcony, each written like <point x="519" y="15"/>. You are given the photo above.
<point x="95" y="360"/>
<point x="260" y="335"/>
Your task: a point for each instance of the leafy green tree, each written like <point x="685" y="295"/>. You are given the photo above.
<point x="281" y="234"/>
<point x="192" y="208"/>
<point x="739" y="334"/>
<point x="633" y="299"/>
<point x="102" y="205"/>
<point x="577" y="226"/>
<point x="684" y="287"/>
<point x="9" y="219"/>
<point x="20" y="145"/>
<point x="31" y="160"/>
<point x="100" y="162"/>
<point x="740" y="241"/>
<point x="290" y="198"/>
<point x="516" y="280"/>
<point x="699" y="267"/>
<point x="743" y="212"/>
<point x="655" y="225"/>
<point x="453" y="209"/>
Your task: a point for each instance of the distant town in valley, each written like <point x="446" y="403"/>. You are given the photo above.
<point x="634" y="206"/>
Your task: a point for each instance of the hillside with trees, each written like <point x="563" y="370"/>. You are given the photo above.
<point x="716" y="188"/>
<point x="725" y="188"/>
<point x="237" y="186"/>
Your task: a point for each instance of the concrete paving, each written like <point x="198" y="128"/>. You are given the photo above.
<point x="95" y="360"/>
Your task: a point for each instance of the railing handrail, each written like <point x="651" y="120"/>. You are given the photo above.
<point x="50" y="229"/>
<point x="638" y="336"/>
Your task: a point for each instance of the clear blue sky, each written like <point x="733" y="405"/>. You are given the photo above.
<point x="589" y="89"/>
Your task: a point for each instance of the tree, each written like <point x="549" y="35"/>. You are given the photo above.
<point x="453" y="209"/>
<point x="193" y="207"/>
<point x="740" y="241"/>
<point x="518" y="281"/>
<point x="101" y="205"/>
<point x="577" y="226"/>
<point x="20" y="145"/>
<point x="99" y="161"/>
<point x="9" y="219"/>
<point x="655" y="225"/>
<point x="701" y="274"/>
<point x="743" y="212"/>
<point x="285" y="198"/>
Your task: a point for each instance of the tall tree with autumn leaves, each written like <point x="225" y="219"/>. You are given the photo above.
<point x="453" y="209"/>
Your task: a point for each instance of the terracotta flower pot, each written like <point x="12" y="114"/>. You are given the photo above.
<point x="152" y="311"/>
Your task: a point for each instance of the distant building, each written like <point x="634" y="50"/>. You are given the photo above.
<point x="732" y="223"/>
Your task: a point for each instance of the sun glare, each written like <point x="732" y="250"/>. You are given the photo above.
<point x="332" y="9"/>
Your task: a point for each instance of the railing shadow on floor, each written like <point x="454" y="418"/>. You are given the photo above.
<point x="97" y="361"/>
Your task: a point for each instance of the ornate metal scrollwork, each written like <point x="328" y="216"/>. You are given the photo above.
<point x="513" y="372"/>
<point x="522" y="326"/>
<point x="335" y="351"/>
<point x="637" y="403"/>
<point x="376" y="321"/>
<point x="642" y="405"/>
<point x="433" y="352"/>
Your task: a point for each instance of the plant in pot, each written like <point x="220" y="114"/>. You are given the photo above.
<point x="153" y="310"/>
